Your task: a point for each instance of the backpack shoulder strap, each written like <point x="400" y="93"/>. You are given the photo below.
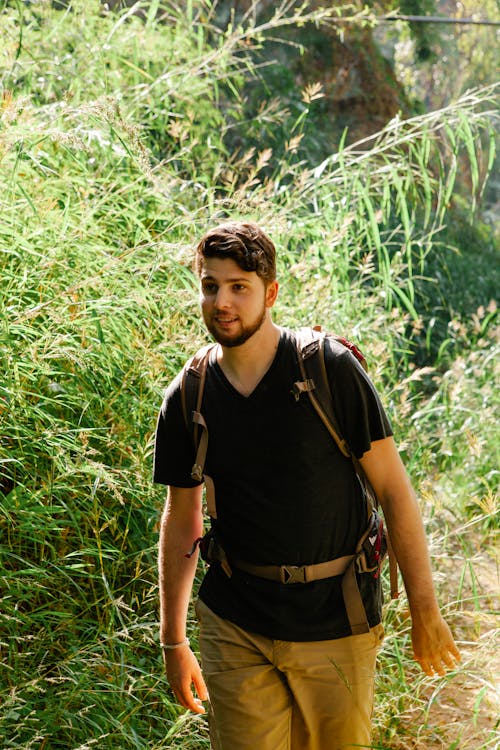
<point x="312" y="364"/>
<point x="193" y="383"/>
<point x="192" y="387"/>
<point x="311" y="358"/>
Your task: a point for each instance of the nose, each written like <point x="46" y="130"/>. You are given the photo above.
<point x="222" y="298"/>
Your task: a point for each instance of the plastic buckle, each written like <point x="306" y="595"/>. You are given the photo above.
<point x="293" y="574"/>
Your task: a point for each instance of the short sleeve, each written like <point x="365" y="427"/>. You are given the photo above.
<point x="174" y="452"/>
<point x="358" y="407"/>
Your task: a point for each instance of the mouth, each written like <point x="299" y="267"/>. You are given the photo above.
<point x="225" y="321"/>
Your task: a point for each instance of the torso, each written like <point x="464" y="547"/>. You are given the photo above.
<point x="284" y="493"/>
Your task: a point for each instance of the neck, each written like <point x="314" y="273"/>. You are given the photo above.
<point x="245" y="365"/>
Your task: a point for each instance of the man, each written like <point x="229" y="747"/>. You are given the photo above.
<point x="282" y="667"/>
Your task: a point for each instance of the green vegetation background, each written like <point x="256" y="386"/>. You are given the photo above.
<point x="122" y="137"/>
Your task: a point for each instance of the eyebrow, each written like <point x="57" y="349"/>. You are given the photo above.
<point x="238" y="279"/>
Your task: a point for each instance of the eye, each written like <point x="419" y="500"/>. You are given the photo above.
<point x="208" y="287"/>
<point x="239" y="287"/>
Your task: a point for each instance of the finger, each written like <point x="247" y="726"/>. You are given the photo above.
<point x="200" y="687"/>
<point x="450" y="659"/>
<point x="197" y="706"/>
<point x="438" y="668"/>
<point x="187" y="700"/>
<point x="425" y="667"/>
<point x="448" y="656"/>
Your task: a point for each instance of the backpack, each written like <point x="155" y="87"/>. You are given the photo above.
<point x="373" y="543"/>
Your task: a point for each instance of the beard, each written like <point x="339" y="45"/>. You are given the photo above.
<point x="231" y="340"/>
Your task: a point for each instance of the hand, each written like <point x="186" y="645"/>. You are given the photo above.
<point x="183" y="671"/>
<point x="433" y="644"/>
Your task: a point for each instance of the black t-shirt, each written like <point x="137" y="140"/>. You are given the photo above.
<point x="284" y="492"/>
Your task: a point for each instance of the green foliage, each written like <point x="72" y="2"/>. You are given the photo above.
<point x="117" y="149"/>
<point x="426" y="36"/>
<point x="463" y="55"/>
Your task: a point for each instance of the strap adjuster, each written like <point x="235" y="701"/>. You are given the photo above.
<point x="362" y="566"/>
<point x="302" y="386"/>
<point x="293" y="574"/>
<point x="197" y="473"/>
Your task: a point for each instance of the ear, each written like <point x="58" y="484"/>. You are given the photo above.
<point x="271" y="293"/>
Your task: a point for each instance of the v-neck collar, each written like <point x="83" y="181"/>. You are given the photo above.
<point x="230" y="387"/>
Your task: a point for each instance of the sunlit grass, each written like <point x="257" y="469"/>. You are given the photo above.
<point x="113" y="161"/>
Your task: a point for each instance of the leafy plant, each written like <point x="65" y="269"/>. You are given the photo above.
<point x="115" y="154"/>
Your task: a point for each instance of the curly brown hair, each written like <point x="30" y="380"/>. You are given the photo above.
<point x="243" y="242"/>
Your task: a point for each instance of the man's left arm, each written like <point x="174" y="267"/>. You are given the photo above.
<point x="433" y="644"/>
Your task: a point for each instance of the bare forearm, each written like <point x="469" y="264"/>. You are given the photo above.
<point x="392" y="485"/>
<point x="433" y="644"/>
<point x="180" y="525"/>
<point x="406" y="530"/>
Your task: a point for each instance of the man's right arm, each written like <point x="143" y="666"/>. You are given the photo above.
<point x="181" y="524"/>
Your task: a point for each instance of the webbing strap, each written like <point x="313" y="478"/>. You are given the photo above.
<point x="197" y="472"/>
<point x="316" y="384"/>
<point x="193" y="382"/>
<point x="353" y="603"/>
<point x="192" y="388"/>
<point x="292" y="574"/>
<point x="210" y="496"/>
<point x="315" y="381"/>
<point x="296" y="573"/>
<point x="201" y="451"/>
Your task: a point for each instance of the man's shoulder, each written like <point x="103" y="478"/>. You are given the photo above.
<point x="172" y="391"/>
<point x="202" y="357"/>
<point x="310" y="341"/>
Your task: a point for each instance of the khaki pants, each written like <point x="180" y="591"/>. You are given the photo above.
<point x="280" y="695"/>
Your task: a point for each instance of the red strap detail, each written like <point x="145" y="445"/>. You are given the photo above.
<point x="193" y="548"/>
<point x="352" y="348"/>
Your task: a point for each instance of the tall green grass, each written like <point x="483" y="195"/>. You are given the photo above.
<point x="113" y="160"/>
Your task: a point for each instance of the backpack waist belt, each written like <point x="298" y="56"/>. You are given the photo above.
<point x="296" y="573"/>
<point x="345" y="566"/>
